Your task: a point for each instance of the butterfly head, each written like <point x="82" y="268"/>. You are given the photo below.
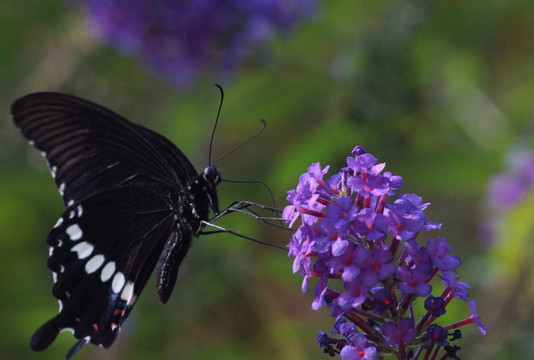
<point x="208" y="180"/>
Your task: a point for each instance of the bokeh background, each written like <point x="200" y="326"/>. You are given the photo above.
<point x="443" y="91"/>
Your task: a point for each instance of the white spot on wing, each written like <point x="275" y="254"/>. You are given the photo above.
<point x="60" y="306"/>
<point x="53" y="171"/>
<point x="61" y="269"/>
<point x="54" y="276"/>
<point x="107" y="271"/>
<point x="80" y="210"/>
<point x="70" y="202"/>
<point x="50" y="251"/>
<point x="74" y="232"/>
<point x="94" y="264"/>
<point x="59" y="222"/>
<point x="127" y="292"/>
<point x="71" y="330"/>
<point x="118" y="282"/>
<point x="84" y="249"/>
<point x="62" y="188"/>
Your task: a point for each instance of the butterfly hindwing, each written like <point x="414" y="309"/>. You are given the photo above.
<point x="101" y="253"/>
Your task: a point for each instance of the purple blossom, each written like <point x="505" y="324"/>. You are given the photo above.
<point x="345" y="263"/>
<point x="370" y="224"/>
<point x="299" y="248"/>
<point x="473" y="319"/>
<point x="403" y="332"/>
<point x="357" y="292"/>
<point x="358" y="349"/>
<point x="357" y="151"/>
<point x="321" y="290"/>
<point x="458" y="288"/>
<point x="344" y="328"/>
<point x="407" y="217"/>
<point x="324" y="236"/>
<point x="316" y="172"/>
<point x="435" y="305"/>
<point x="365" y="163"/>
<point x="291" y="213"/>
<point x="418" y="257"/>
<point x="413" y="281"/>
<point x="323" y="339"/>
<point x="349" y="238"/>
<point x="382" y="300"/>
<point x="476" y="318"/>
<point x="437" y="335"/>
<point x="375" y="265"/>
<point x="438" y="251"/>
<point x="181" y="38"/>
<point x="395" y="182"/>
<point x="343" y="214"/>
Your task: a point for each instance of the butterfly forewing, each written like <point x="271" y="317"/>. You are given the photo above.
<point x="90" y="149"/>
<point x="133" y="201"/>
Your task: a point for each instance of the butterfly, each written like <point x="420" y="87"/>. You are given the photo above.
<point x="133" y="204"/>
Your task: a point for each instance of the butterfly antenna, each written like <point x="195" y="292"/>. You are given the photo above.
<point x="243" y="143"/>
<point x="216" y="122"/>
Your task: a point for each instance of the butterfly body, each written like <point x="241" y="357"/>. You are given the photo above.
<point x="133" y="203"/>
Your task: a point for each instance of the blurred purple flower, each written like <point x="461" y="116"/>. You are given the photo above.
<point x="507" y="189"/>
<point x="180" y="38"/>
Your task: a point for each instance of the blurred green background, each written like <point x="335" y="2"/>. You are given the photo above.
<point x="440" y="90"/>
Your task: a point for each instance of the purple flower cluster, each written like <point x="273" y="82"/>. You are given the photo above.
<point x="180" y="38"/>
<point x="370" y="269"/>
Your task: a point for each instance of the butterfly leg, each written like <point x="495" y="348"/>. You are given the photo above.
<point x="221" y="229"/>
<point x="247" y="208"/>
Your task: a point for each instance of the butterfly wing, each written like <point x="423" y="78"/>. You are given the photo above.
<point x="125" y="188"/>
<point x="102" y="252"/>
<point x="90" y="149"/>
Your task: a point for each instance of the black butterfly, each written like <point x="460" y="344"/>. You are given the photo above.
<point x="133" y="202"/>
